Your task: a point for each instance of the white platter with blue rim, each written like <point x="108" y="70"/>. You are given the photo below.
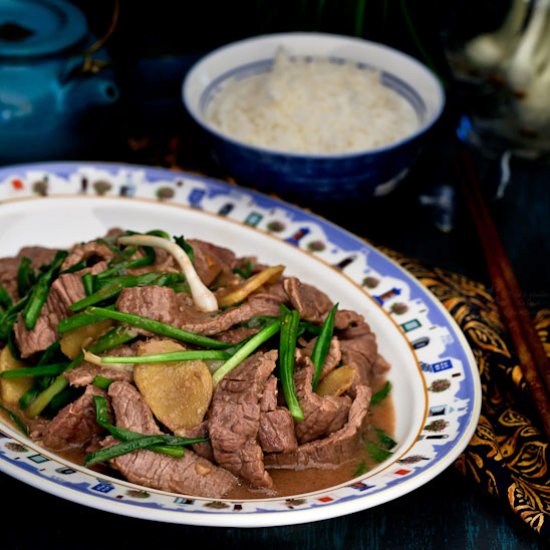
<point x="435" y="382"/>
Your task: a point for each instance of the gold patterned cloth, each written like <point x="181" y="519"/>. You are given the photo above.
<point x="509" y="455"/>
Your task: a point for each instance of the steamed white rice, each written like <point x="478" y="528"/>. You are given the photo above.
<point x="312" y="106"/>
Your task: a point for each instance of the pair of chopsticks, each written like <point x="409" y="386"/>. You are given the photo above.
<point x="533" y="361"/>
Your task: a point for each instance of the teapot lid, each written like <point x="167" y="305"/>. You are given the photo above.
<point x="39" y="27"/>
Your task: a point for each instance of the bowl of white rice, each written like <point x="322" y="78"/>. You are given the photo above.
<point x="313" y="116"/>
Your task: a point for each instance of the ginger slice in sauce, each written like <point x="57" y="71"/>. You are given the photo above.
<point x="178" y="393"/>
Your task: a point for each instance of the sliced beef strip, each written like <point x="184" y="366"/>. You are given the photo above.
<point x="276" y="433"/>
<point x="84" y="374"/>
<point x="333" y="358"/>
<point x="64" y="291"/>
<point x="346" y="318"/>
<point x="268" y="401"/>
<point x="359" y="350"/>
<point x="322" y="414"/>
<point x="334" y="450"/>
<point x="74" y="426"/>
<point x="85" y="251"/>
<point x="191" y="474"/>
<point x="8" y="275"/>
<point x="10" y="266"/>
<point x="234" y="419"/>
<point x="39" y="255"/>
<point x="210" y="260"/>
<point x="201" y="430"/>
<point x="163" y="304"/>
<point x="45" y="331"/>
<point x="312" y="304"/>
<point x="236" y="335"/>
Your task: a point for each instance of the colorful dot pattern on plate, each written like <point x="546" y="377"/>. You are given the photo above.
<point x="446" y="367"/>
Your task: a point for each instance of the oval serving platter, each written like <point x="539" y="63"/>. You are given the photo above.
<point x="435" y="383"/>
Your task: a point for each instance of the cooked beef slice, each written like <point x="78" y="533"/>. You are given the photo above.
<point x="190" y="475"/>
<point x="236" y="335"/>
<point x="84" y="374"/>
<point x="312" y="304"/>
<point x="346" y="318"/>
<point x="131" y="410"/>
<point x="163" y="304"/>
<point x="359" y="350"/>
<point x="322" y="415"/>
<point x="276" y="433"/>
<point x="210" y="260"/>
<point x="333" y="358"/>
<point x="8" y="275"/>
<point x="156" y="302"/>
<point x="45" y="331"/>
<point x="93" y="250"/>
<point x="333" y="450"/>
<point x="234" y="419"/>
<point x="201" y="430"/>
<point x="64" y="291"/>
<point x="268" y="402"/>
<point x="74" y="426"/>
<point x="10" y="266"/>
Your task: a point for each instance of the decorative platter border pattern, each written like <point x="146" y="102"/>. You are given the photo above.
<point x="447" y="365"/>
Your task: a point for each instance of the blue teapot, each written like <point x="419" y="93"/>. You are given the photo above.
<point x="56" y="100"/>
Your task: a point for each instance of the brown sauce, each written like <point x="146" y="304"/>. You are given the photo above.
<point x="289" y="482"/>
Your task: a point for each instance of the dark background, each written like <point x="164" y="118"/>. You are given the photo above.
<point x="152" y="47"/>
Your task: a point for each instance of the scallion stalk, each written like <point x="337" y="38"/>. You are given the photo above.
<point x="247" y="349"/>
<point x="15" y="418"/>
<point x="42" y="370"/>
<point x="112" y="339"/>
<point x="287" y="346"/>
<point x="322" y="345"/>
<point x="158" y="328"/>
<point x="79" y="320"/>
<point x="25" y="276"/>
<point x="40" y="290"/>
<point x="186" y="355"/>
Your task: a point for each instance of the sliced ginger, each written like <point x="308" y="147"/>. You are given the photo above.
<point x="336" y="382"/>
<point x="178" y="393"/>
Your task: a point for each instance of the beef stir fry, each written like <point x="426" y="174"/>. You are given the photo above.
<point x="183" y="367"/>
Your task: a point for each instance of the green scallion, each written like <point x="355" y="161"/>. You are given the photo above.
<point x="112" y="339"/>
<point x="322" y="345"/>
<point x="25" y="276"/>
<point x="381" y="394"/>
<point x="42" y="370"/>
<point x="158" y="328"/>
<point x="247" y="349"/>
<point x="17" y="421"/>
<point x="290" y="321"/>
<point x="78" y="320"/>
<point x="186" y="355"/>
<point x="40" y="290"/>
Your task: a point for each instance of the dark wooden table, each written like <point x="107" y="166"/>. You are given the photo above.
<point x="449" y="512"/>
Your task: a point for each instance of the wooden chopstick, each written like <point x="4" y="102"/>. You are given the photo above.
<point x="533" y="361"/>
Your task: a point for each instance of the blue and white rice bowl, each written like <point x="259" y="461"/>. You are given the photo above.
<point x="357" y="174"/>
